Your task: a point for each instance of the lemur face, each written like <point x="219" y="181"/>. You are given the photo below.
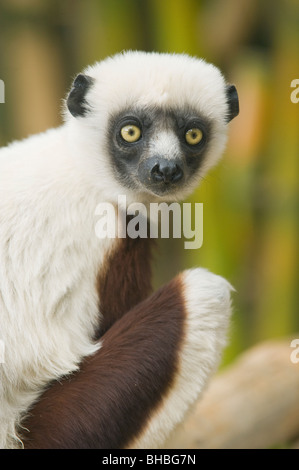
<point x="162" y="119"/>
<point x="157" y="149"/>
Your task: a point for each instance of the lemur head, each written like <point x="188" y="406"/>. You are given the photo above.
<point x="152" y="123"/>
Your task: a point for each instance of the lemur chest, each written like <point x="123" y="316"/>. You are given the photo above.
<point x="64" y="287"/>
<point x="49" y="293"/>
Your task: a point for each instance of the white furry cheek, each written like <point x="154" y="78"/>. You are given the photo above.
<point x="87" y="153"/>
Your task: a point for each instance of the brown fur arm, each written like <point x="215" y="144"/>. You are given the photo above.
<point x="109" y="401"/>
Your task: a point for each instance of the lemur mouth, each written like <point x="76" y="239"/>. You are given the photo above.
<point x="163" y="189"/>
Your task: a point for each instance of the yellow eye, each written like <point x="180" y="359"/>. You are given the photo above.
<point x="193" y="136"/>
<point x="130" y="133"/>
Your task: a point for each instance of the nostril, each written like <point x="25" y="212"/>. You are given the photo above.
<point x="157" y="175"/>
<point x="177" y="174"/>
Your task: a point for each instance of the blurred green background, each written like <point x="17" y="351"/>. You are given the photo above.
<point x="251" y="200"/>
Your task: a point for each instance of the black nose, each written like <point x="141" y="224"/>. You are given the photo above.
<point x="167" y="171"/>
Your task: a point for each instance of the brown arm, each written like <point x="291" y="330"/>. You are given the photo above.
<point x="108" y="402"/>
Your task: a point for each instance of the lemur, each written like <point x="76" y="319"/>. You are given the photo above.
<point x="93" y="358"/>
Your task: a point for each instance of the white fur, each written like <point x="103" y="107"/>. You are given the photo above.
<point x="50" y="186"/>
<point x="208" y="309"/>
<point x="165" y="143"/>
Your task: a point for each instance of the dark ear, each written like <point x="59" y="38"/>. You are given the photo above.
<point x="233" y="102"/>
<point x="76" y="100"/>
